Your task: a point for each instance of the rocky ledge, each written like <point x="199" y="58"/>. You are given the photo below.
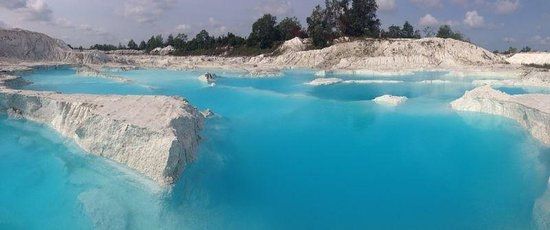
<point x="532" y="111"/>
<point x="156" y="136"/>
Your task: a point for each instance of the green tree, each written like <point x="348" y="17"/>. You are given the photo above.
<point x="179" y="41"/>
<point x="338" y="17"/>
<point x="526" y="49"/>
<point x="132" y="45"/>
<point x="319" y="29"/>
<point x="170" y="40"/>
<point x="363" y="19"/>
<point x="142" y="45"/>
<point x="154" y="42"/>
<point x="393" y="32"/>
<point x="202" y="41"/>
<point x="408" y="30"/>
<point x="290" y="28"/>
<point x="231" y="40"/>
<point x="264" y="33"/>
<point x="445" y="31"/>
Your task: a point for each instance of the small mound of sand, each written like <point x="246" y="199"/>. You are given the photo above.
<point x="390" y="100"/>
<point x="293" y="45"/>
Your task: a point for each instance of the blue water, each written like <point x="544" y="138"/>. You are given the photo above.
<point x="284" y="155"/>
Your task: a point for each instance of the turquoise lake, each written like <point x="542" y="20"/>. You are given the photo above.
<point x="281" y="154"/>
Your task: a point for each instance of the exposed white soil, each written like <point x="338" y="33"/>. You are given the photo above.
<point x="532" y="111"/>
<point x="165" y="119"/>
<point x="325" y="81"/>
<point x="390" y="100"/>
<point x="156" y="136"/>
<point x="538" y="58"/>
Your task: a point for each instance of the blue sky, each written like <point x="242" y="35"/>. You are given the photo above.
<point x="493" y="24"/>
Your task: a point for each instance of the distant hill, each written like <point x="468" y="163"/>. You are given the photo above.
<point x="24" y="45"/>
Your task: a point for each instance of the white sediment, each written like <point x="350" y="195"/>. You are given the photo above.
<point x="390" y="100"/>
<point x="155" y="135"/>
<point x="532" y="111"/>
<point x="96" y="72"/>
<point x="17" y="46"/>
<point x="538" y="58"/>
<point x="325" y="81"/>
<point x="437" y="81"/>
<point x="372" y="82"/>
<point x="362" y="57"/>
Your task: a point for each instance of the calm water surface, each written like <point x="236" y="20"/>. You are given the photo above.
<point x="285" y="155"/>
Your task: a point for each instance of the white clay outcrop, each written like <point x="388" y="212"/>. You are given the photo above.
<point x="361" y="56"/>
<point x="156" y="136"/>
<point x="162" y="51"/>
<point x="537" y="58"/>
<point x="332" y="81"/>
<point x="386" y="54"/>
<point x="293" y="45"/>
<point x="390" y="100"/>
<point x="532" y="111"/>
<point x="436" y="81"/>
<point x="325" y="81"/>
<point x="126" y="52"/>
<point x="373" y="81"/>
<point x="17" y="45"/>
<point x="25" y="45"/>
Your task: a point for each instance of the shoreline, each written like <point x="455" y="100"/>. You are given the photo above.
<point x="157" y="138"/>
<point x="364" y="57"/>
<point x="497" y="74"/>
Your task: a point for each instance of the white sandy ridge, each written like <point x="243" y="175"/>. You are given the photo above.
<point x="156" y="136"/>
<point x="390" y="100"/>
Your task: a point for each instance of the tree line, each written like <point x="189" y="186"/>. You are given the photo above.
<point x="336" y="19"/>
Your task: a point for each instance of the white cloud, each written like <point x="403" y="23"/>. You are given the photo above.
<point x="386" y="5"/>
<point x="146" y="11"/>
<point x="92" y="30"/>
<point x="13" y="4"/>
<point x="213" y="21"/>
<point x="428" y="20"/>
<point x="183" y="27"/>
<point x="37" y="10"/>
<point x="87" y="29"/>
<point x="216" y="27"/>
<point x="509" y="40"/>
<point x="541" y="40"/>
<point x="474" y="20"/>
<point x="506" y="6"/>
<point x="460" y="2"/>
<point x="30" y="10"/>
<point x="428" y="3"/>
<point x="63" y="22"/>
<point x="3" y="25"/>
<point x="275" y="7"/>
